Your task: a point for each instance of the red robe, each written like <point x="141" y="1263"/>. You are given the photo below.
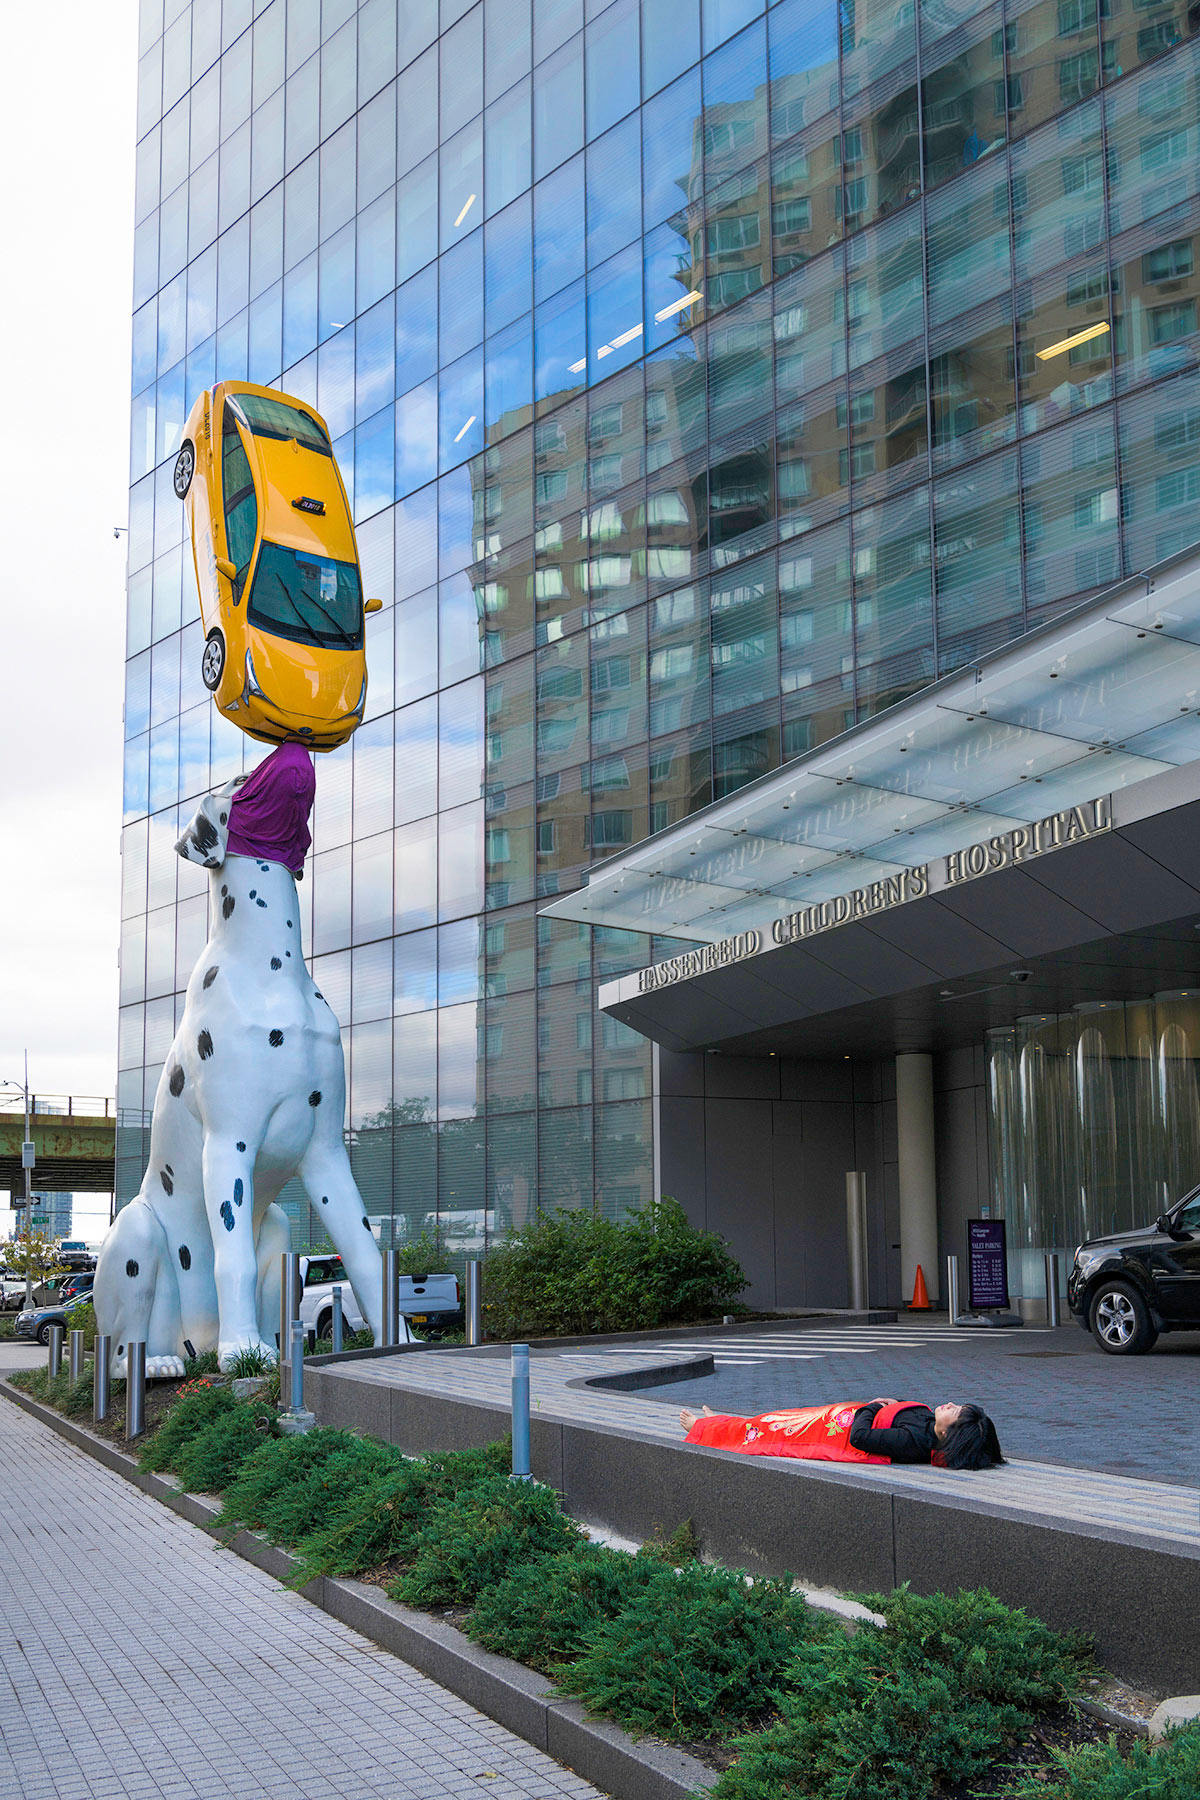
<point x="812" y="1433"/>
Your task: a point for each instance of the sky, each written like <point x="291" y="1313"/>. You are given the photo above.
<point x="66" y="223"/>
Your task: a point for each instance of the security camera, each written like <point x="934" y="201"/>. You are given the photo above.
<point x="1019" y="975"/>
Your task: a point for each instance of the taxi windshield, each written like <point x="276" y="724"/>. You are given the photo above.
<point x="309" y="599"/>
<point x="276" y="419"/>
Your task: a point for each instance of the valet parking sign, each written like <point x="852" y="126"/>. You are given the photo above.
<point x="987" y="1266"/>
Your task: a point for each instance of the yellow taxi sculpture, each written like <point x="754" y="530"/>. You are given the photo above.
<point x="276" y="566"/>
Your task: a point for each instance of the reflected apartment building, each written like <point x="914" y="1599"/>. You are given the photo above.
<point x="707" y="378"/>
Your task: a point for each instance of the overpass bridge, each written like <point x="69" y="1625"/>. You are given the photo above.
<point x="74" y="1139"/>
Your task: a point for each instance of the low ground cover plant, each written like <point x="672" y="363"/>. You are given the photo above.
<point x="1166" y="1771"/>
<point x="571" y="1272"/>
<point x="472" y="1538"/>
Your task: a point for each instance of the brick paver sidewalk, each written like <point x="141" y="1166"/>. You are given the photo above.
<point x="142" y="1661"/>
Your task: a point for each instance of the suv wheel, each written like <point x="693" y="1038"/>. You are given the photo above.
<point x="43" y="1336"/>
<point x="1120" y="1319"/>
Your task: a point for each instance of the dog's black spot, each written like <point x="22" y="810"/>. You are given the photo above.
<point x="224" y="889"/>
<point x="324" y="1199"/>
<point x="227" y="1215"/>
<point x="275" y="963"/>
<point x="261" y="903"/>
<point x="120" y="1349"/>
<point x="175" y="1081"/>
<point x="288" y="954"/>
<point x="314" y="1099"/>
<point x="366" y="1224"/>
<point x="204" y="834"/>
<point x="275" y="1039"/>
<point x="289" y="925"/>
<point x="185" y="1257"/>
<point x="168" y="1184"/>
<point x="264" y="867"/>
<point x="227" y="905"/>
<point x="241" y="1144"/>
<point x="204" y="1045"/>
<point x="131" y="1269"/>
<point x="237" y="1191"/>
<point x="210" y="975"/>
<point x="253" y="892"/>
<point x="168" y="1168"/>
<point x="224" y="818"/>
<point x="320" y="996"/>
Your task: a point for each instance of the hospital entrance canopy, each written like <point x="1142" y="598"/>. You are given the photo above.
<point x="1031" y="751"/>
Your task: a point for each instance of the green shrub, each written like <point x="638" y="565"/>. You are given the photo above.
<point x="673" y="1548"/>
<point x="545" y="1612"/>
<point x="207" y="1363"/>
<point x="291" y="1486"/>
<point x="250" y="1362"/>
<point x="82" y="1317"/>
<point x="208" y="1462"/>
<point x="694" y="1654"/>
<point x="472" y="1539"/>
<point x="1166" y="1771"/>
<point x="572" y="1272"/>
<point x="75" y="1397"/>
<point x="901" y="1712"/>
<point x="378" y="1519"/>
<point x="190" y="1414"/>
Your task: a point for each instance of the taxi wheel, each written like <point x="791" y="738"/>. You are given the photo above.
<point x="185" y="468"/>
<point x="212" y="663"/>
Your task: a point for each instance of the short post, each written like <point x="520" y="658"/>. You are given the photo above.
<point x="391" y="1297"/>
<point x="474" y="1303"/>
<point x="520" y="1413"/>
<point x="856" y="1237"/>
<point x="290" y="1289"/>
<point x="297" y="1366"/>
<point x="1052" y="1312"/>
<point x="101" y="1379"/>
<point x="952" y="1287"/>
<point x="135" y="1391"/>
<point x="338" y="1319"/>
<point x="75" y="1355"/>
<point x="54" y="1359"/>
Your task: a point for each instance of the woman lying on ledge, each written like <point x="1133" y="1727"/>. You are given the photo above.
<point x="950" y="1436"/>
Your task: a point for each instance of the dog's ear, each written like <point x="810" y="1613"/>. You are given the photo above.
<point x="205" y="839"/>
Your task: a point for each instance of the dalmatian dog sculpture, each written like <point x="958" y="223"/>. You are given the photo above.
<point x="252" y="1093"/>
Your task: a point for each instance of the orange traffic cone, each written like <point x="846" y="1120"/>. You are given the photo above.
<point x="920" y="1299"/>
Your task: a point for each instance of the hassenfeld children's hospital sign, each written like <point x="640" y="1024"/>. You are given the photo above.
<point x="1070" y="826"/>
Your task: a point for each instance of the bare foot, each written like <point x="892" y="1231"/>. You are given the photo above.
<point x="687" y="1419"/>
<point x="709" y="1411"/>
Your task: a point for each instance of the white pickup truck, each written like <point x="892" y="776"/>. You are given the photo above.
<point x="429" y="1302"/>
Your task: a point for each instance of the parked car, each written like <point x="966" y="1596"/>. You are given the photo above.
<point x="1127" y="1288"/>
<point x="12" y="1290"/>
<point x="36" y="1323"/>
<point x="431" y="1302"/>
<point x="277" y="569"/>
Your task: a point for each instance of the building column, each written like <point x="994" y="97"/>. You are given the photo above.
<point x="917" y="1172"/>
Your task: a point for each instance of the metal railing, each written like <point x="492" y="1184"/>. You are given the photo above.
<point x="60" y="1106"/>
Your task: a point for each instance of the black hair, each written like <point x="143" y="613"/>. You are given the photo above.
<point x="970" y="1443"/>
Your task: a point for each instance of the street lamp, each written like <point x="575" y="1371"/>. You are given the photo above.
<point x="27" y="1167"/>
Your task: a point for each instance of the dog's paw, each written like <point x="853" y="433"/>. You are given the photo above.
<point x="164" y="1368"/>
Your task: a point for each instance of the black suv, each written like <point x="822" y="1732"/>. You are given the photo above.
<point x="1127" y="1288"/>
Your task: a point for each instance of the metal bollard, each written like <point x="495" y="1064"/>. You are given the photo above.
<point x="297" y="1360"/>
<point x="520" y="1413"/>
<point x="952" y="1288"/>
<point x="391" y="1297"/>
<point x="101" y="1380"/>
<point x="339" y="1324"/>
<point x="1052" y="1311"/>
<point x="474" y="1303"/>
<point x="135" y="1390"/>
<point x="54" y="1359"/>
<point x="75" y="1355"/>
<point x="856" y="1237"/>
<point x="290" y="1289"/>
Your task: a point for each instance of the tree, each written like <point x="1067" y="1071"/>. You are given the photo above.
<point x="35" y="1257"/>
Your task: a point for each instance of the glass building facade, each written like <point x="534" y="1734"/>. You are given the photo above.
<point x="706" y="378"/>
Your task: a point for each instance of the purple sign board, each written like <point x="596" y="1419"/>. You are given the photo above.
<point x="987" y="1266"/>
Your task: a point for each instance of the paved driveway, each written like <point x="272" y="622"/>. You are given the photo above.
<point x="1055" y="1396"/>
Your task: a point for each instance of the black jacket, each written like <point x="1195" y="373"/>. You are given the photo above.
<point x="910" y="1440"/>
